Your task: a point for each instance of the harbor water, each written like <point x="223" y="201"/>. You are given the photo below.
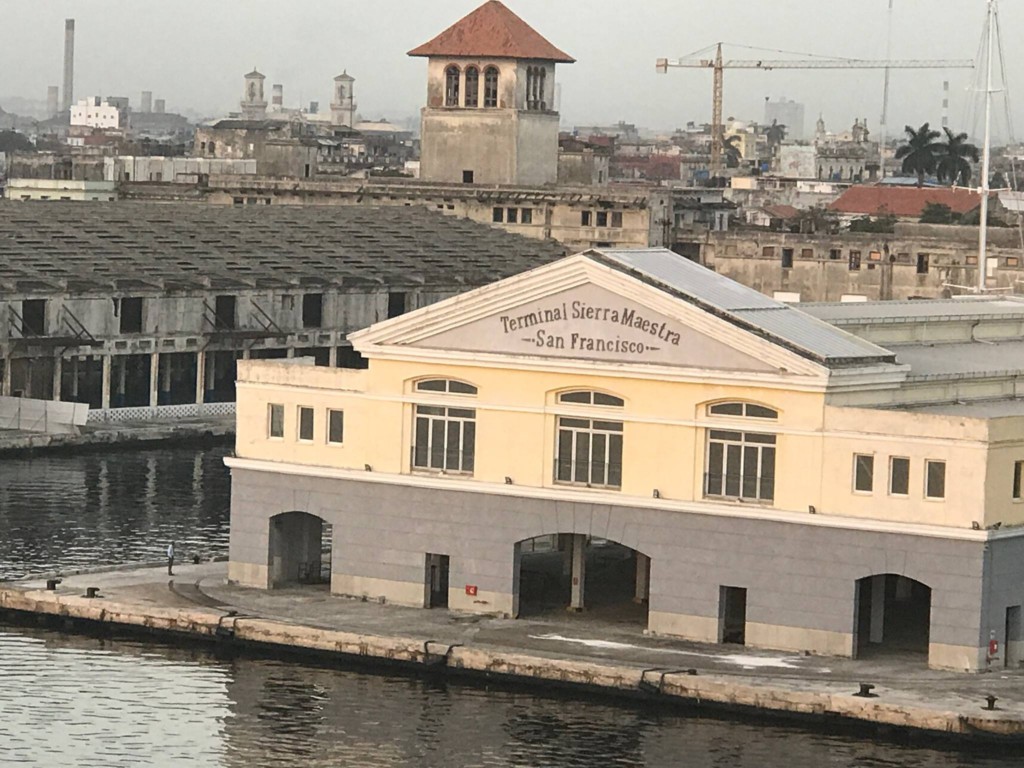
<point x="90" y="701"/>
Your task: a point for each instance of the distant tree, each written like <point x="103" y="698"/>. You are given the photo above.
<point x="953" y="156"/>
<point x="879" y="225"/>
<point x="732" y="153"/>
<point x="775" y="134"/>
<point x="919" y="152"/>
<point x="12" y="141"/>
<point x="937" y="213"/>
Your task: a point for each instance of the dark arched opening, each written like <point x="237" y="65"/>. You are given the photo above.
<point x="582" y="574"/>
<point x="893" y="616"/>
<point x="300" y="549"/>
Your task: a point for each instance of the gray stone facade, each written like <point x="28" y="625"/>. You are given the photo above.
<point x="801" y="579"/>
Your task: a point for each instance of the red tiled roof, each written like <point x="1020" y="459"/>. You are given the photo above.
<point x="492" y="30"/>
<point x="902" y="201"/>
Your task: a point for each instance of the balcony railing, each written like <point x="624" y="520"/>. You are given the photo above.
<point x="442" y="462"/>
<point x="743" y="487"/>
<point x="589" y="474"/>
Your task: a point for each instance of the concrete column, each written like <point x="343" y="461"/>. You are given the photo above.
<point x="74" y="378"/>
<point x="122" y="378"/>
<point x="643" y="575"/>
<point x="58" y="366"/>
<point x="564" y="544"/>
<point x="332" y="355"/>
<point x="154" y="375"/>
<point x="200" y="377"/>
<point x="5" y="389"/>
<point x="579" y="570"/>
<point x="875" y="634"/>
<point x="290" y="352"/>
<point x="105" y="386"/>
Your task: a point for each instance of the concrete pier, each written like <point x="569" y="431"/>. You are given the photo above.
<point x="197" y="603"/>
<point x="117" y="434"/>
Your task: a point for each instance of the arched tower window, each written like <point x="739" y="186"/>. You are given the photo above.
<point x="472" y="87"/>
<point x="451" y="86"/>
<point x="491" y="87"/>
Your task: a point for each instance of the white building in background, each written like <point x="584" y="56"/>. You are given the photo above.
<point x="788" y="113"/>
<point x="95" y="112"/>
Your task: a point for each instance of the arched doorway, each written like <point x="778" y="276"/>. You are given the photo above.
<point x="579" y="573"/>
<point x="893" y="616"/>
<point x="300" y="549"/>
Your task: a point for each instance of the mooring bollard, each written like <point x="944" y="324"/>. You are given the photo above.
<point x="990" y="702"/>
<point x="866" y="691"/>
<point x="92" y="591"/>
<point x="51" y="584"/>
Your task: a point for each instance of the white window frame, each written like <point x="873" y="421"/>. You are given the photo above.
<point x="871" y="458"/>
<point x="298" y="425"/>
<point x="270" y="421"/>
<point x="893" y="459"/>
<point x="327" y="427"/>
<point x="927" y="465"/>
<point x="459" y="417"/>
<point x="593" y="431"/>
<point x="743" y="442"/>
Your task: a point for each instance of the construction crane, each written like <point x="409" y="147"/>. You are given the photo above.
<point x="718" y="65"/>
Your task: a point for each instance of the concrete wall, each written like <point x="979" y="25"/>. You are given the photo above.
<point x="800" y="578"/>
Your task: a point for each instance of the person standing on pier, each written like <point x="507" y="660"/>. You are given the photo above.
<point x="170" y="559"/>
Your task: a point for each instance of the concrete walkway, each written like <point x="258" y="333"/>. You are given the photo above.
<point x="907" y="692"/>
<point x="113" y="434"/>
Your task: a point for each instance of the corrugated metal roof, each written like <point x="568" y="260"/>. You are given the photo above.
<point x="806" y="335"/>
<point x="855" y="313"/>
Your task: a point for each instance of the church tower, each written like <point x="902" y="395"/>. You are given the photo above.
<point x="254" y="106"/>
<point x="490" y="116"/>
<point x="343" y="105"/>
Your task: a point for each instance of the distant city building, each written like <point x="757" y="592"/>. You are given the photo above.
<point x="788" y="113"/>
<point x="98" y="113"/>
<point x="343" y="104"/>
<point x="254" y="106"/>
<point x="490" y="116"/>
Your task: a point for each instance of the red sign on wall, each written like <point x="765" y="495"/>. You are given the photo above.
<point x="471" y="590"/>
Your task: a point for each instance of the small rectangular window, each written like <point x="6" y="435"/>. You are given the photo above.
<point x="1018" y="480"/>
<point x="602" y="218"/>
<point x="305" y="423"/>
<point x="396" y="304"/>
<point x="335" y="426"/>
<point x="467" y="177"/>
<point x="875" y="256"/>
<point x="922" y="263"/>
<point x="807" y="253"/>
<point x="224" y="312"/>
<point x="935" y="479"/>
<point x="131" y="315"/>
<point x="787" y="258"/>
<point x="835" y="254"/>
<point x="854" y="261"/>
<point x="585" y="218"/>
<point x="312" y="310"/>
<point x="526" y="216"/>
<point x="497" y="215"/>
<point x="617" y="219"/>
<point x="512" y="215"/>
<point x="768" y="252"/>
<point x="863" y="473"/>
<point x="899" y="476"/>
<point x="33" y="317"/>
<point x="276" y="420"/>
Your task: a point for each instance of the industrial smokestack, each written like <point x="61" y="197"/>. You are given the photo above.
<point x="69" y="64"/>
<point x="52" y="101"/>
<point x="159" y="106"/>
<point x="147" y="102"/>
<point x="277" y="95"/>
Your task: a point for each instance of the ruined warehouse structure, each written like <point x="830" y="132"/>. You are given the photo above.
<point x="143" y="310"/>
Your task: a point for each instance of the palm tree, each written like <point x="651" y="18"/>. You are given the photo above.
<point x="919" y="153"/>
<point x="731" y="151"/>
<point x="953" y="156"/>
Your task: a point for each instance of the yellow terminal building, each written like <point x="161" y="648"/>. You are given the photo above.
<point x="630" y="434"/>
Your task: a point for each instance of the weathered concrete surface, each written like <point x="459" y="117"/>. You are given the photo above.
<point x="16" y="442"/>
<point x="195" y="602"/>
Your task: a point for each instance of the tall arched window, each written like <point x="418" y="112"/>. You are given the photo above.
<point x="444" y="437"/>
<point x="588" y="451"/>
<point x="740" y="464"/>
<point x="472" y="87"/>
<point x="491" y="87"/>
<point x="451" y="86"/>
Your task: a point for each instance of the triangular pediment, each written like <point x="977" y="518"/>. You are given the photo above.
<point x="589" y="322"/>
<point x="580" y="312"/>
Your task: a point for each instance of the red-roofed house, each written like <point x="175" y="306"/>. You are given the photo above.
<point x="901" y="202"/>
<point x="490" y="116"/>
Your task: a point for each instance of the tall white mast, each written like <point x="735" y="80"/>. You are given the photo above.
<point x="986" y="153"/>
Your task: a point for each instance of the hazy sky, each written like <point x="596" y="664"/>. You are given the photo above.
<point x="193" y="53"/>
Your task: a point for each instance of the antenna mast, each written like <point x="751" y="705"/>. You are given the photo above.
<point x="986" y="152"/>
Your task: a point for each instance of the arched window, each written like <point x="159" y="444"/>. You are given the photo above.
<point x="739" y="464"/>
<point x="451" y="86"/>
<point x="449" y="386"/>
<point x="491" y="87"/>
<point x="472" y="87"/>
<point x="746" y="410"/>
<point x="584" y="397"/>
